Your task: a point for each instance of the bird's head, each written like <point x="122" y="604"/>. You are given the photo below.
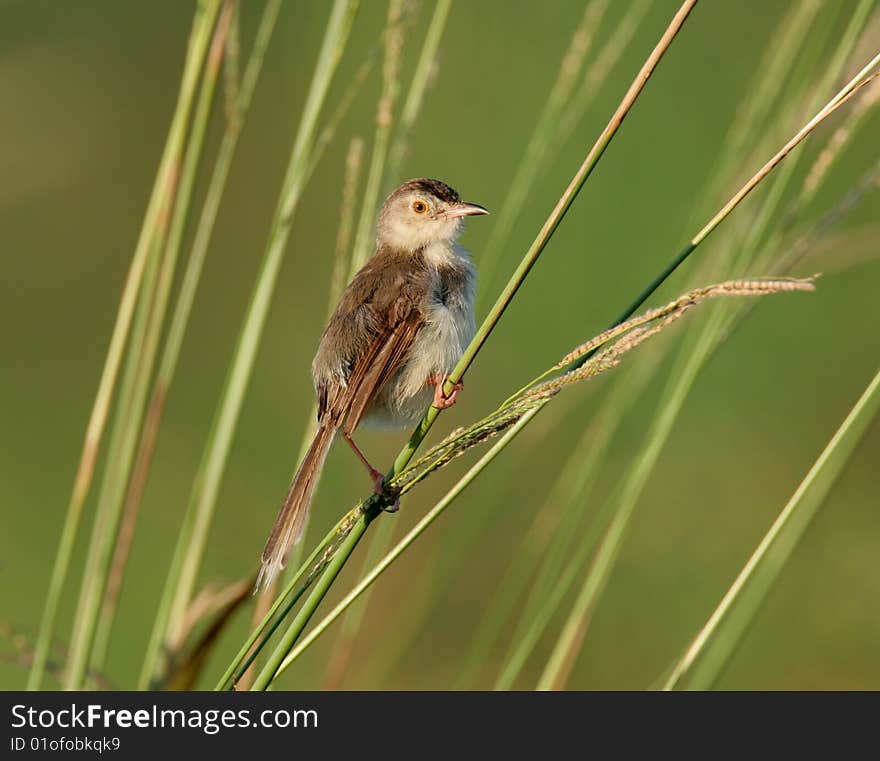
<point x="421" y="212"/>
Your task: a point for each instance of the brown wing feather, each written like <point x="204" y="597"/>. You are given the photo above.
<point x="370" y="334"/>
<point x="367" y="340"/>
<point x="390" y="352"/>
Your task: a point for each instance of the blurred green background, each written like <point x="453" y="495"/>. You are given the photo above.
<point x="88" y="89"/>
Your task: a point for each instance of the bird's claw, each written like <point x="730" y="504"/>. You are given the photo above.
<point x="443" y="401"/>
<point x="381" y="489"/>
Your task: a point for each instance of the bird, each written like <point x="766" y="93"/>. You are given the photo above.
<point x="399" y="329"/>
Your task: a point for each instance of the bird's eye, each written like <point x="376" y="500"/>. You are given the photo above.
<point x="419" y="207"/>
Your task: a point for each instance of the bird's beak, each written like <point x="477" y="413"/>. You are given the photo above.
<point x="463" y="209"/>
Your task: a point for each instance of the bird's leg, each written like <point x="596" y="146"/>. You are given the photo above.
<point x="441" y="400"/>
<point x="377" y="477"/>
<point x="379" y="486"/>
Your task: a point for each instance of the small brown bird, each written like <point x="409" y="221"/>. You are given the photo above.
<point x="400" y="327"/>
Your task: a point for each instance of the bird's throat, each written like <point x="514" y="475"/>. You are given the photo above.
<point x="440" y="254"/>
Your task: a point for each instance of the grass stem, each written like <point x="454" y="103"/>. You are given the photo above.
<point x="163" y="185"/>
<point x="713" y="645"/>
<point x="373" y="506"/>
<point x="200" y="510"/>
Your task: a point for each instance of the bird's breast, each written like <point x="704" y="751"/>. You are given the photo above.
<point x="439" y="344"/>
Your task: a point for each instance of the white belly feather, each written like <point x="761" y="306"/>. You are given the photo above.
<point x="449" y="328"/>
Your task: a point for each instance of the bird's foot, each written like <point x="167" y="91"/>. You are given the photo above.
<point x="388" y="493"/>
<point x="443" y="401"/>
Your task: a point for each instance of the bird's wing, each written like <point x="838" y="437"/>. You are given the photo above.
<point x="387" y="352"/>
<point x="371" y="339"/>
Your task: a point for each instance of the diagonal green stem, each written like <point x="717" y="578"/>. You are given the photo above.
<point x="658" y="319"/>
<point x="409" y="113"/>
<point x="404" y="543"/>
<point x="373" y="506"/>
<point x="568" y="643"/>
<point x="273" y="663"/>
<point x="244" y="657"/>
<point x="710" y="650"/>
<point x="569" y="576"/>
<point x="546" y="232"/>
<point x="542" y="138"/>
<point x="551" y="585"/>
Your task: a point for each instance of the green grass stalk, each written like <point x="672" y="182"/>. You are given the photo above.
<point x="568" y="642"/>
<point x="412" y="106"/>
<point x="542" y="139"/>
<point x="550" y="539"/>
<point x="844" y="135"/>
<point x="384" y="121"/>
<point x="414" y="99"/>
<point x="767" y="89"/>
<point x="199" y="514"/>
<point x="232" y="63"/>
<point x="626" y="338"/>
<point x="342" y="252"/>
<point x="683" y="377"/>
<point x="343" y="647"/>
<point x="536" y="249"/>
<point x="273" y="663"/>
<point x="312" y="564"/>
<point x="159" y="199"/>
<point x="596" y="73"/>
<point x="403" y="544"/>
<point x="192" y="274"/>
<point x="573" y="485"/>
<point x="526" y="640"/>
<point x="374" y="505"/>
<point x="563" y="111"/>
<point x="569" y="547"/>
<point x="353" y="162"/>
<point x="549" y="597"/>
<point x="516" y="578"/>
<point x="705" y="658"/>
<point x="550" y="586"/>
<point x="134" y="415"/>
<point x="133" y="391"/>
<point x="104" y="526"/>
<point x="342" y="268"/>
<point x="238" y="102"/>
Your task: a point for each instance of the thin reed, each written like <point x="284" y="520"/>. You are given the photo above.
<point x="551" y="513"/>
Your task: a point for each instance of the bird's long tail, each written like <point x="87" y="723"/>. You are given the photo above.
<point x="291" y="517"/>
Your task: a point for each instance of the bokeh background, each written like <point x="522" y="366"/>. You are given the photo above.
<point x="88" y="89"/>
